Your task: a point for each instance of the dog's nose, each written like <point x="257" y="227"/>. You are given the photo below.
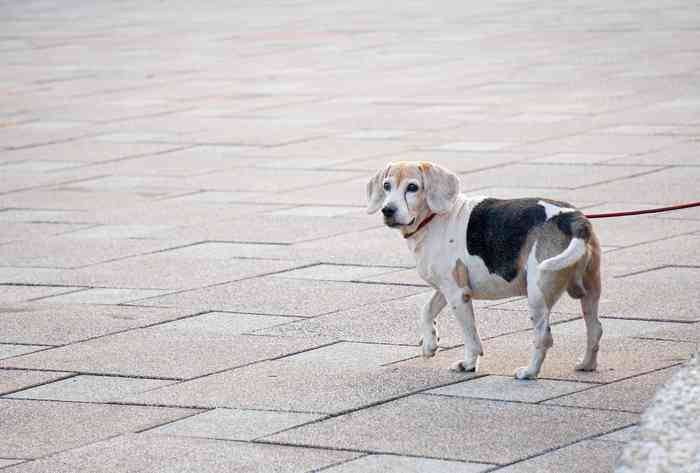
<point x="389" y="211"/>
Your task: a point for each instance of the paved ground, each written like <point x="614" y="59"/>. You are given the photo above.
<point x="189" y="281"/>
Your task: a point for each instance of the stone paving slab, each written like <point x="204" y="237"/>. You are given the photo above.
<point x="509" y="389"/>
<point x="486" y="431"/>
<point x="43" y="427"/>
<point x="293" y="383"/>
<point x="89" y="389"/>
<point x="300" y="298"/>
<point x="235" y="424"/>
<point x="632" y="395"/>
<point x="14" y="380"/>
<point x="582" y="457"/>
<point x="63" y="324"/>
<point x="152" y="452"/>
<point x="182" y="353"/>
<point x="380" y="463"/>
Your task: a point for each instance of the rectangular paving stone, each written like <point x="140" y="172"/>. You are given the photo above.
<point x="336" y="272"/>
<point x="87" y="388"/>
<point x="43" y="427"/>
<point x="235" y="424"/>
<point x="280" y="296"/>
<point x="472" y="430"/>
<point x="509" y="389"/>
<point x="11" y="294"/>
<point x="382" y="463"/>
<point x="632" y="395"/>
<point x="349" y="375"/>
<point x="9" y="350"/>
<point x="582" y="457"/>
<point x="14" y="380"/>
<point x="103" y="296"/>
<point x="153" y="452"/>
<point x="61" y="324"/>
<point x="176" y="352"/>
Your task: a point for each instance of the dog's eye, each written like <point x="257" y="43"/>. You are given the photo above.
<point x="387" y="186"/>
<point x="412" y="188"/>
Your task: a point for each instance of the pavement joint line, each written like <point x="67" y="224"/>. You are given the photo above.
<point x="338" y="463"/>
<point x="333" y="415"/>
<point x="208" y="286"/>
<point x="30" y="344"/>
<point x="262" y="441"/>
<point x="35" y="385"/>
<point x="129" y="157"/>
<point x="657" y="268"/>
<point x="649" y="242"/>
<point x="51" y="185"/>
<point x="569" y="444"/>
<point x="600" y="385"/>
<point x="45" y="348"/>
<point x="641" y="319"/>
<point x="49" y="143"/>
<point x="265" y="360"/>
<point x="157" y="426"/>
<point x="92" y="373"/>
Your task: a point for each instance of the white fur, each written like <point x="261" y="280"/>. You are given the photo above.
<point x="574" y="252"/>
<point x="552" y="210"/>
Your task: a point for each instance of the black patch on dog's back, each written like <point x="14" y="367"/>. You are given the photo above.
<point x="498" y="229"/>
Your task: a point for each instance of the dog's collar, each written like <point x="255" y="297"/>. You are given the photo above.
<point x="420" y="225"/>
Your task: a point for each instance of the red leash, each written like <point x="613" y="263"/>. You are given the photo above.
<point x="648" y="211"/>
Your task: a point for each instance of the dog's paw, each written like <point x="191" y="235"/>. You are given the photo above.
<point x="524" y="373"/>
<point x="429" y="348"/>
<point x="460" y="367"/>
<point x="586" y="365"/>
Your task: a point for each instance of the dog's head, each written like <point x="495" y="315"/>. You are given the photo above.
<point x="407" y="192"/>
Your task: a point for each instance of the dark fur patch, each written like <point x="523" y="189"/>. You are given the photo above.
<point x="498" y="230"/>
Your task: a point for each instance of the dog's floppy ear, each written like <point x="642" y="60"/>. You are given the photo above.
<point x="375" y="190"/>
<point x="441" y="187"/>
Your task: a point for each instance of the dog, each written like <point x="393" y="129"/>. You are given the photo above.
<point x="484" y="248"/>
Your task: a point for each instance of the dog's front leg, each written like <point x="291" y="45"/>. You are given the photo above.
<point x="463" y="310"/>
<point x="429" y="337"/>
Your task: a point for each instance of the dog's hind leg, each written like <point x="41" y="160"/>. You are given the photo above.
<point x="589" y="307"/>
<point x="539" y="315"/>
<point x="429" y="336"/>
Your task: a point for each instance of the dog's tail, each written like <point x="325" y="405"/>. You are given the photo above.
<point x="576" y="226"/>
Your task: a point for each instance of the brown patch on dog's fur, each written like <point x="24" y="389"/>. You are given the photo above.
<point x="461" y="276"/>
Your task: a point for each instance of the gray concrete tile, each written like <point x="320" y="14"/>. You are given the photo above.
<point x="103" y="296"/>
<point x="9" y="350"/>
<point x="336" y="272"/>
<point x="87" y="388"/>
<point x="632" y="395"/>
<point x="153" y="452"/>
<point x="622" y="435"/>
<point x="387" y="463"/>
<point x="66" y="252"/>
<point x="120" y="231"/>
<point x="582" y="457"/>
<point x="280" y="296"/>
<point x="14" y="380"/>
<point x="43" y="427"/>
<point x="318" y="211"/>
<point x="460" y="424"/>
<point x="508" y="389"/>
<point x="235" y="424"/>
<point x="12" y="294"/>
<point x="348" y="374"/>
<point x="62" y="324"/>
<point x="177" y="352"/>
<point x="548" y="175"/>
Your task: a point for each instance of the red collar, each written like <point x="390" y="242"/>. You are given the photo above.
<point x="420" y="225"/>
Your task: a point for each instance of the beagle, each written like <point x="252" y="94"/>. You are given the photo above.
<point x="483" y="248"/>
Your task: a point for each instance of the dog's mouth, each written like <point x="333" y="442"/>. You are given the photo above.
<point x="391" y="223"/>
